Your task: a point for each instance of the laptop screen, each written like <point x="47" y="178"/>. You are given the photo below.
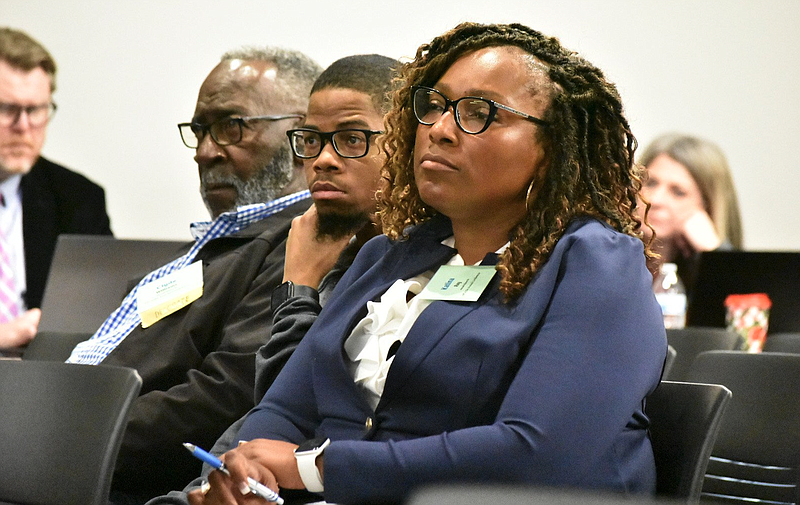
<point x="721" y="273"/>
<point x="91" y="274"/>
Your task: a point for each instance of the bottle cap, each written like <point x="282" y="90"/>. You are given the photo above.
<point x="669" y="267"/>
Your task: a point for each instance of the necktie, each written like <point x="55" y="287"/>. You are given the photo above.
<point x="9" y="308"/>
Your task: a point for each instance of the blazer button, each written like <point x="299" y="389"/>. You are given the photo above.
<point x="368" y="424"/>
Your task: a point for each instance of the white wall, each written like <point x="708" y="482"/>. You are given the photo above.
<point x="129" y="71"/>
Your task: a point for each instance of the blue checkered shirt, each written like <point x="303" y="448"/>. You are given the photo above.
<point x="123" y="320"/>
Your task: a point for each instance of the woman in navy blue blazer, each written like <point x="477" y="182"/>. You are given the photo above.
<point x="503" y="329"/>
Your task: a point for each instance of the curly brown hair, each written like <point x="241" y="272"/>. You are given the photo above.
<point x="588" y="144"/>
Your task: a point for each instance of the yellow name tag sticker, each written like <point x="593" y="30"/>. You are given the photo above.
<point x="458" y="283"/>
<point x="170" y="293"/>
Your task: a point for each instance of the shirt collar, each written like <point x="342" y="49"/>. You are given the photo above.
<point x="245" y="215"/>
<point x="451" y="242"/>
<point x="10" y="187"/>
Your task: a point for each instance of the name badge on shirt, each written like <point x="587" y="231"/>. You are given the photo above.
<point x="458" y="283"/>
<point x="170" y="293"/>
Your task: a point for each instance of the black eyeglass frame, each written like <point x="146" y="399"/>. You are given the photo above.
<point x="327" y="137"/>
<point x="240" y="121"/>
<point x="493" y="108"/>
<point x="51" y="108"/>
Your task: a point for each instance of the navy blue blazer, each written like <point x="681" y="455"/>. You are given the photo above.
<point x="546" y="390"/>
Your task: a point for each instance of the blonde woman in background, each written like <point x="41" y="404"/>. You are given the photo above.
<point x="693" y="204"/>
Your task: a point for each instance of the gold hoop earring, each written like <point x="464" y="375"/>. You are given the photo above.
<point x="528" y="196"/>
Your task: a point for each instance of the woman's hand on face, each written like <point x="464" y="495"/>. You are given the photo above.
<point x="698" y="233"/>
<point x="270" y="462"/>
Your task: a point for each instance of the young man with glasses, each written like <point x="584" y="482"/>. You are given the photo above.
<point x="191" y="328"/>
<point x="39" y="199"/>
<point x="343" y="165"/>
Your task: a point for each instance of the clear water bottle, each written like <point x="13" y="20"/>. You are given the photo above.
<point x="671" y="295"/>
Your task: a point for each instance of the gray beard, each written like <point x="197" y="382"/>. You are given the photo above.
<point x="264" y="186"/>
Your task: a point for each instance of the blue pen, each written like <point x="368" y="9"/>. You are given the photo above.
<point x="256" y="487"/>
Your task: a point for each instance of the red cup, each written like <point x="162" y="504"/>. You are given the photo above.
<point x="748" y="315"/>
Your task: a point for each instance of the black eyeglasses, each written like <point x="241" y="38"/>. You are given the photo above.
<point x="473" y="114"/>
<point x="38" y="115"/>
<point x="348" y="143"/>
<point x="225" y="132"/>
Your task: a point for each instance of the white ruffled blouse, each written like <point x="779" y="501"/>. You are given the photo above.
<point x="386" y="324"/>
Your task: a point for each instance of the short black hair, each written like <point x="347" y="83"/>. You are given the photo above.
<point x="368" y="73"/>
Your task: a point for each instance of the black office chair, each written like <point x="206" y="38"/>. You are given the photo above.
<point x="61" y="426"/>
<point x="757" y="452"/>
<point x="783" y="342"/>
<point x="53" y="345"/>
<point x="690" y="341"/>
<point x="684" y="422"/>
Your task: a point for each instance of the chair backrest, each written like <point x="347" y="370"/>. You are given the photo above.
<point x="53" y="345"/>
<point x="757" y="452"/>
<point x="684" y="422"/>
<point x="669" y="361"/>
<point x="782" y="342"/>
<point x="690" y="341"/>
<point x="517" y="494"/>
<point x="61" y="426"/>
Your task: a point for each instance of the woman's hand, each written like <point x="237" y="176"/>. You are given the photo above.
<point x="270" y="462"/>
<point x="698" y="234"/>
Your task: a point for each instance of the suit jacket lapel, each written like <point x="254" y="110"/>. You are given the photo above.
<point x="432" y="325"/>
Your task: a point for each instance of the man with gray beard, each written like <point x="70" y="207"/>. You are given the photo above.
<point x="191" y="328"/>
<point x="263" y="186"/>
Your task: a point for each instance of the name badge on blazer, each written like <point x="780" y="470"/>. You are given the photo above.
<point x="170" y="293"/>
<point x="458" y="283"/>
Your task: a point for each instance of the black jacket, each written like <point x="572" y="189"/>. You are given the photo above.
<point x="198" y="364"/>
<point x="55" y="200"/>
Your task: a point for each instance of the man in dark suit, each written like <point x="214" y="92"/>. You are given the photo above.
<point x="39" y="199"/>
